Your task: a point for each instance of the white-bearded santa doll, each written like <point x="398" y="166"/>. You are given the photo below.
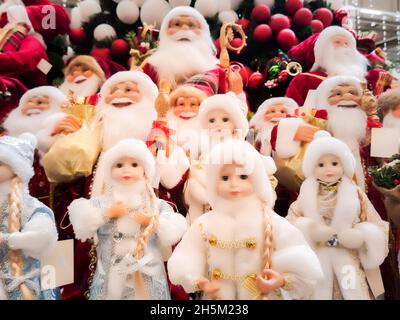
<point x="333" y="52"/>
<point x="242" y="250"/>
<point x="83" y="77"/>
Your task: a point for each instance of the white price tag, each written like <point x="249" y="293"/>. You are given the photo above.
<point x="44" y="66"/>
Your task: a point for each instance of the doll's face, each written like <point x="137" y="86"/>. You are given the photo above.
<point x="220" y="123"/>
<point x="127" y="171"/>
<point x="329" y="169"/>
<point x="183" y="28"/>
<point x="340" y="42"/>
<point x="79" y="73"/>
<point x="6" y="174"/>
<point x="36" y="105"/>
<point x="233" y="184"/>
<point x="275" y="113"/>
<point x="345" y="95"/>
<point x="396" y="111"/>
<point x="186" y="108"/>
<point x="123" y="94"/>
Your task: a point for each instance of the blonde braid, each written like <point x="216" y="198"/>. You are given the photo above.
<point x="14" y="225"/>
<point x="144" y="237"/>
<point x="268" y="241"/>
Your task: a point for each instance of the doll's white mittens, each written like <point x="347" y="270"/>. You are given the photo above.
<point x="375" y="248"/>
<point x="322" y="233"/>
<point x="37" y="237"/>
<point x="85" y="219"/>
<point x="305" y="225"/>
<point x="171" y="226"/>
<point x="351" y="238"/>
<point x="286" y="146"/>
<point x="172" y="169"/>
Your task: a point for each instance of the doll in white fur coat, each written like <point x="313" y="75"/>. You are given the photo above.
<point x="242" y="249"/>
<point x="135" y="230"/>
<point x="340" y="223"/>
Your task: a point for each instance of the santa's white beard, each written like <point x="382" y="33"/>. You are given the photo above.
<point x="177" y="61"/>
<point x="132" y="122"/>
<point x="390" y="121"/>
<point x="344" y="62"/>
<point x="187" y="132"/>
<point x="87" y="88"/>
<point x="264" y="135"/>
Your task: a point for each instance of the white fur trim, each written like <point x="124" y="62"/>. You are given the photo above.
<point x="326" y="86"/>
<point x="305" y="225"/>
<point x="269" y="164"/>
<point x="172" y="169"/>
<point x="327" y="145"/>
<point x="259" y="115"/>
<point x="322" y="232"/>
<point x="230" y="105"/>
<point x="286" y="146"/>
<point x="44" y="137"/>
<point x="374" y="252"/>
<point x="85" y="219"/>
<point x="324" y="38"/>
<point x="56" y="96"/>
<point x="37" y="237"/>
<point x="351" y="238"/>
<point x="171" y="227"/>
<point x="242" y="153"/>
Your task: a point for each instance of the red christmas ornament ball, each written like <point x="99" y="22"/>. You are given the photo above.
<point x="287" y="39"/>
<point x="261" y="13"/>
<point x="279" y="22"/>
<point x="244" y="23"/>
<point x="101" y="52"/>
<point x="262" y="33"/>
<point x="255" y="80"/>
<point x="120" y="49"/>
<point x="292" y="6"/>
<point x="303" y="17"/>
<point x="245" y="73"/>
<point x="317" y="26"/>
<point x="324" y="15"/>
<point x="77" y="35"/>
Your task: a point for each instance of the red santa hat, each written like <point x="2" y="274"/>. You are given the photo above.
<point x="132" y="148"/>
<point x="228" y="103"/>
<point x="324" y="144"/>
<point x="147" y="87"/>
<point x="242" y="153"/>
<point x="325" y="88"/>
<point x="258" y="118"/>
<point x="56" y="96"/>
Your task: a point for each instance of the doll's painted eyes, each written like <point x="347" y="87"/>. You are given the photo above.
<point x="321" y="165"/>
<point x="119" y="165"/>
<point x="212" y="120"/>
<point x="225" y="178"/>
<point x="225" y="119"/>
<point x="335" y="164"/>
<point x="244" y="176"/>
<point x="134" y="165"/>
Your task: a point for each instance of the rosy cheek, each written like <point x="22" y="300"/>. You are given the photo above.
<point x="88" y="73"/>
<point x="171" y="31"/>
<point x="70" y="78"/>
<point x="134" y="96"/>
<point x="109" y="98"/>
<point x="396" y="112"/>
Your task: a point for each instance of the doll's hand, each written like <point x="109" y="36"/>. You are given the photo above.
<point x="235" y="82"/>
<point x="142" y="218"/>
<point x="69" y="124"/>
<point x="269" y="281"/>
<point x="117" y="210"/>
<point x="305" y="133"/>
<point x="322" y="233"/>
<point x="351" y="238"/>
<point x="207" y="286"/>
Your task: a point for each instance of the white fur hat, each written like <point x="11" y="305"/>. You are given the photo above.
<point x="259" y="116"/>
<point x="321" y="45"/>
<point x="57" y="97"/>
<point x="227" y="103"/>
<point x="136" y="149"/>
<point x="324" y="89"/>
<point x="186" y="11"/>
<point x="18" y="154"/>
<point x="147" y="87"/>
<point x="324" y="144"/>
<point x="255" y="166"/>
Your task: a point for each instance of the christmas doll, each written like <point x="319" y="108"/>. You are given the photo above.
<point x="389" y="108"/>
<point x="242" y="249"/>
<point x="27" y="228"/>
<point x="220" y="119"/>
<point x="340" y="223"/>
<point x="268" y="115"/>
<point x="135" y="230"/>
<point x="38" y="112"/>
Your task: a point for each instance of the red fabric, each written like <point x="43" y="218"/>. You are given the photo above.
<point x="274" y="137"/>
<point x="301" y="84"/>
<point x="16" y="88"/>
<point x="303" y="53"/>
<point x="34" y="10"/>
<point x="108" y="66"/>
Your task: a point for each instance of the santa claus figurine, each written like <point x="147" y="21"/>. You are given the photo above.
<point x="83" y="77"/>
<point x="242" y="249"/>
<point x="333" y="52"/>
<point x="340" y="223"/>
<point x="133" y="227"/>
<point x="38" y="112"/>
<point x="268" y="115"/>
<point x="389" y="108"/>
